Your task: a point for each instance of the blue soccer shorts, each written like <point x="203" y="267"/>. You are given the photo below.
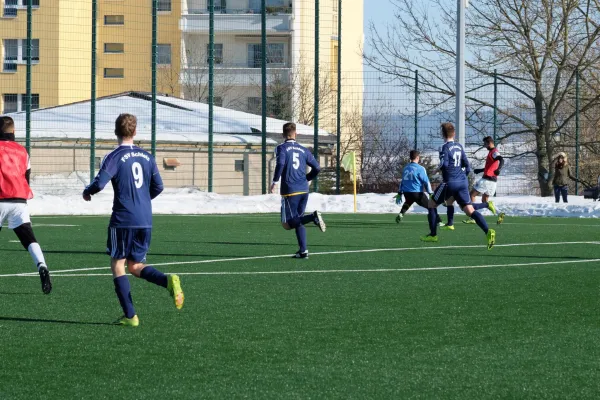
<point x="128" y="243"/>
<point x="293" y="206"/>
<point x="460" y="192"/>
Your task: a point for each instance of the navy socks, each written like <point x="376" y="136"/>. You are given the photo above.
<point x="450" y="213"/>
<point x="432" y="217"/>
<point x="154" y="276"/>
<point x="301" y="236"/>
<point x="480" y="206"/>
<point x="480" y="221"/>
<point x="123" y="290"/>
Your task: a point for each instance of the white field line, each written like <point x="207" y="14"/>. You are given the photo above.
<point x="343" y="271"/>
<point x="220" y="260"/>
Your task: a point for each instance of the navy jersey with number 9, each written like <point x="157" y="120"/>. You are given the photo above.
<point x="135" y="180"/>
<point x="292" y="160"/>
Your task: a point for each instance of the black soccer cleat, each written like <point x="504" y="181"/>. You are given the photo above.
<point x="319" y="221"/>
<point x="45" y="278"/>
<point x="300" y="255"/>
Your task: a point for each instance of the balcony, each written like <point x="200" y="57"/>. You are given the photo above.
<point x="9" y="64"/>
<point x="237" y="21"/>
<point x="11" y="7"/>
<point x="235" y="76"/>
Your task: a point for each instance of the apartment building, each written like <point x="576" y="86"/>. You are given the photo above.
<point x="61" y="51"/>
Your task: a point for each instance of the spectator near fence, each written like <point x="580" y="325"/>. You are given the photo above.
<point x="562" y="172"/>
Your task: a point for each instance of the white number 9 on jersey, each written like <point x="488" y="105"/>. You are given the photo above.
<point x="296" y="161"/>
<point x="138" y="174"/>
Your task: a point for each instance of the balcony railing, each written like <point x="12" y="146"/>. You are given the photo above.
<point x="241" y="23"/>
<point x="218" y="10"/>
<point x="235" y="76"/>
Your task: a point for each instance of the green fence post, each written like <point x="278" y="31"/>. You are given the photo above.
<point x="416" y="107"/>
<point x="263" y="71"/>
<point x="577" y="111"/>
<point x="211" y="87"/>
<point x="316" y="105"/>
<point x="339" y="101"/>
<point x="495" y="105"/>
<point x="154" y="57"/>
<point x="93" y="94"/>
<point x="28" y="80"/>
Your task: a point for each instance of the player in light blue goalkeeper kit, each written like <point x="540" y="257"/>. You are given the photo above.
<point x="136" y="181"/>
<point x="415" y="186"/>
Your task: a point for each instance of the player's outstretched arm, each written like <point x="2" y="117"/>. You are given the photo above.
<point x="107" y="171"/>
<point x="280" y="164"/>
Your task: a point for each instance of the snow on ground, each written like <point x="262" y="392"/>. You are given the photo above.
<point x="193" y="201"/>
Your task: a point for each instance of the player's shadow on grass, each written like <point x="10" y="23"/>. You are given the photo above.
<point x="52" y="321"/>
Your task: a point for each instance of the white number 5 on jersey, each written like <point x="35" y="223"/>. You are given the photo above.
<point x="296" y="161"/>
<point x="138" y="174"/>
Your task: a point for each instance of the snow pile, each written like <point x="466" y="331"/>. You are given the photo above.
<point x="193" y="201"/>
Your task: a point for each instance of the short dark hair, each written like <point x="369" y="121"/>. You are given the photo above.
<point x="7" y="125"/>
<point x="288" y="129"/>
<point x="448" y="130"/>
<point x="414" y="154"/>
<point x="488" y="139"/>
<point x="125" y="125"/>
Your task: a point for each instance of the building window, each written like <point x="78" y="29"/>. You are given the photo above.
<point x="114" y="48"/>
<point x="11" y="7"/>
<point x="217" y="54"/>
<point x="217" y="101"/>
<point x="272" y="6"/>
<point x="254" y="105"/>
<point x="164" y="5"/>
<point x="11" y="103"/>
<point x="18" y="102"/>
<point x="163" y="54"/>
<point x="15" y="52"/>
<point x="275" y="55"/>
<point x="114" y="20"/>
<point x="114" y="73"/>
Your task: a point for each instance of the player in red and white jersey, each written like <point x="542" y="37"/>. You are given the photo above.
<point x="14" y="193"/>
<point x="486" y="186"/>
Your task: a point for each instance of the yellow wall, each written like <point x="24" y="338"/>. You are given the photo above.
<point x="136" y="34"/>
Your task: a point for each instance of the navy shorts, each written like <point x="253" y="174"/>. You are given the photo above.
<point x="460" y="192"/>
<point x="439" y="195"/>
<point x="128" y="243"/>
<point x="293" y="206"/>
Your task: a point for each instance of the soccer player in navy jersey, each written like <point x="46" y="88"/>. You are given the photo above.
<point x="455" y="186"/>
<point x="136" y="181"/>
<point x="292" y="160"/>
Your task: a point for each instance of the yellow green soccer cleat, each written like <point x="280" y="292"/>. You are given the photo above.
<point x="501" y="218"/>
<point x="429" y="238"/>
<point x="447" y="227"/>
<point x="131" y="322"/>
<point x="174" y="288"/>
<point x="491" y="238"/>
<point x="468" y="221"/>
<point x="491" y="207"/>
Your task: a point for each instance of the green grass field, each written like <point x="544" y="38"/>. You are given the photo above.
<point x="374" y="313"/>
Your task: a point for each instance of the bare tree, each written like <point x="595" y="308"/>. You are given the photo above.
<point x="536" y="45"/>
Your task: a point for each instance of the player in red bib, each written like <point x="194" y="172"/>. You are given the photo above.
<point x="14" y="193"/>
<point x="486" y="186"/>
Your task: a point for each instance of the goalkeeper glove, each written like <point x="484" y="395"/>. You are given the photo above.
<point x="398" y="198"/>
<point x="497" y="172"/>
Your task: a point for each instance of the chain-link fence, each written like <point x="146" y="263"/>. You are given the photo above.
<point x="213" y="81"/>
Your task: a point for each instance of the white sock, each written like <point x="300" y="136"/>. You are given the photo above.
<point x="36" y="253"/>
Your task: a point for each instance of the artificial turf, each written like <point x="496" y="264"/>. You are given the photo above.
<point x="348" y="323"/>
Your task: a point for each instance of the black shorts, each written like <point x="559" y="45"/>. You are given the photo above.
<point x="416" y="197"/>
